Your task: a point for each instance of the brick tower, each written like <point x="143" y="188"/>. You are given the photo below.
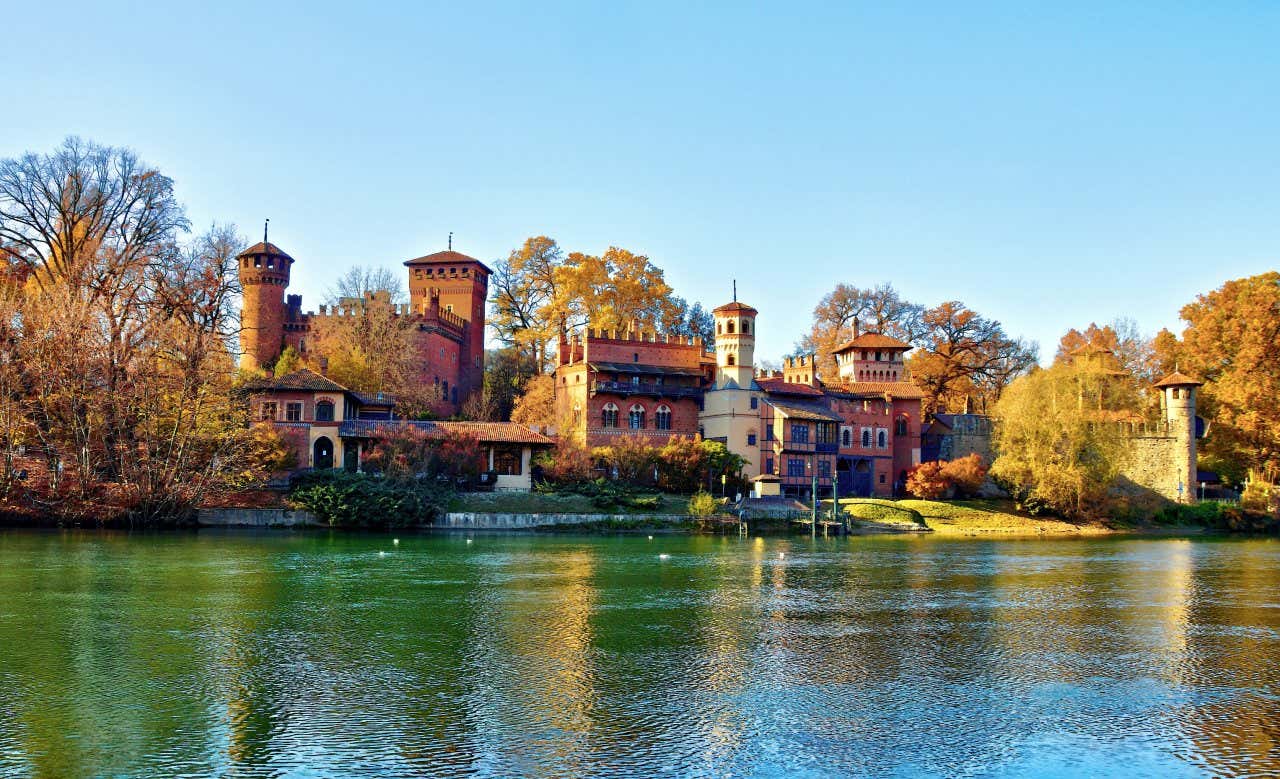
<point x="264" y="275"/>
<point x="460" y="284"/>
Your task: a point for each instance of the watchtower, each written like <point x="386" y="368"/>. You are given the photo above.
<point x="264" y="275"/>
<point x="460" y="284"/>
<point x="1178" y="406"/>
<point x="735" y="343"/>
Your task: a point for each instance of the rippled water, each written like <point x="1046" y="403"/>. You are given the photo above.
<point x="319" y="655"/>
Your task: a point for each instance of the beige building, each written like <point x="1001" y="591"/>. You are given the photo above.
<point x="731" y="406"/>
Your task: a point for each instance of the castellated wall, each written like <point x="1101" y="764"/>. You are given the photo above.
<point x="1159" y="464"/>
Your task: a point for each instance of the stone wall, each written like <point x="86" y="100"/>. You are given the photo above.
<point x="240" y="517"/>
<point x="491" y="521"/>
<point x="1157" y="465"/>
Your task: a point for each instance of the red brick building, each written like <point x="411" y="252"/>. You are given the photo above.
<point x="634" y="383"/>
<point x="447" y="292"/>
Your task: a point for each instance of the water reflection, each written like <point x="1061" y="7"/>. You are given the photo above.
<point x="280" y="655"/>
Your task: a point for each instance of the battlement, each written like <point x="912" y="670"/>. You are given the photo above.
<point x="632" y="345"/>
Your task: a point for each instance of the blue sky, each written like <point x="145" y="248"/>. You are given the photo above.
<point x="1047" y="165"/>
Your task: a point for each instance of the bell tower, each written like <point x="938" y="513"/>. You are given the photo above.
<point x="735" y="343"/>
<point x="264" y="275"/>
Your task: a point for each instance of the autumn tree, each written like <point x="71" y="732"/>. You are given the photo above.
<point x="848" y="308"/>
<point x="1134" y="351"/>
<point x="964" y="357"/>
<point x="529" y="313"/>
<point x="362" y="280"/>
<point x="1232" y="342"/>
<point x="536" y="404"/>
<point x="1060" y="439"/>
<point x="123" y="334"/>
<point x="614" y="291"/>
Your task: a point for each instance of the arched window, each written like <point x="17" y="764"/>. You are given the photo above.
<point x="609" y="415"/>
<point x="729" y="325"/>
<point x="635" y="419"/>
<point x="730" y="360"/>
<point x="662" y="417"/>
<point x="846" y="437"/>
<point x="866" y="438"/>
<point x="882" y="438"/>
<point x="1177" y="392"/>
<point x="902" y="425"/>
<point x="719" y="329"/>
<point x="746" y="327"/>
<point x="324" y="411"/>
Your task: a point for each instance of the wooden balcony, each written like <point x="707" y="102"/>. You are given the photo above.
<point x="649" y="389"/>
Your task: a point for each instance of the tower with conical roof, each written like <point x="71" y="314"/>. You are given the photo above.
<point x="1178" y="404"/>
<point x="264" y="275"/>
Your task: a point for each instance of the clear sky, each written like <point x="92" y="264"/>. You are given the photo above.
<point x="1047" y="164"/>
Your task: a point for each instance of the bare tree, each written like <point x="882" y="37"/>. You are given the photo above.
<point x="361" y="280"/>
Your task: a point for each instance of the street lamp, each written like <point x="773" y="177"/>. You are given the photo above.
<point x="813" y="525"/>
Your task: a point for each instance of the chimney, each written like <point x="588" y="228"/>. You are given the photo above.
<point x="857" y="329"/>
<point x="324" y="366"/>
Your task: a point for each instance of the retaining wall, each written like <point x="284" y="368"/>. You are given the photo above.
<point x="257" y="518"/>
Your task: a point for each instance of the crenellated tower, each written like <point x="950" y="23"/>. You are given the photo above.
<point x="1178" y="404"/>
<point x="456" y="286"/>
<point x="264" y="276"/>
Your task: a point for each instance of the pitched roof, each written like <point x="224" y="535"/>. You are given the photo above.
<point x="783" y="387"/>
<point x="904" y="390"/>
<point x="263" y="247"/>
<point x="734" y="306"/>
<point x="485" y="432"/>
<point x="305" y="380"/>
<point x="1177" y="379"/>
<point x="445" y="257"/>
<point x="873" y="340"/>
<point x="643" y="369"/>
<point x="802" y="410"/>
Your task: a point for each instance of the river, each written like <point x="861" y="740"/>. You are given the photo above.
<point x="317" y="654"/>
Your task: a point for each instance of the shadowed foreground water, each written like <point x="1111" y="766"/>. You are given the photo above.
<point x="319" y="655"/>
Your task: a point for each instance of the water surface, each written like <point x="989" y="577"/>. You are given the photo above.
<point x="335" y="655"/>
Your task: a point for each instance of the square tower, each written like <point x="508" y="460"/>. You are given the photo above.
<point x="460" y="285"/>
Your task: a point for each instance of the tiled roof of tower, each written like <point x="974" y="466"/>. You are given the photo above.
<point x="873" y="341"/>
<point x="734" y="306"/>
<point x="305" y="380"/>
<point x="264" y="247"/>
<point x="1178" y="379"/>
<point x="444" y="258"/>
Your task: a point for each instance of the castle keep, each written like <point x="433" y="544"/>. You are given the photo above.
<point x="447" y="292"/>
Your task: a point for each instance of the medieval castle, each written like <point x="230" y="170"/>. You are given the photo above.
<point x="856" y="433"/>
<point x="447" y="291"/>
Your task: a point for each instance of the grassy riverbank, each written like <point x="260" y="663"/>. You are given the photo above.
<point x="963" y="517"/>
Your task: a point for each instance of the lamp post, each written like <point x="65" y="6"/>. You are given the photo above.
<point x="813" y="525"/>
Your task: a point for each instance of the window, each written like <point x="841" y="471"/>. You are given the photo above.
<point x="882" y="478"/>
<point x="507" y="462"/>
<point x="768" y="433"/>
<point x="800" y="432"/>
<point x="755" y="403"/>
<point x="746" y="327"/>
<point x="635" y="357"/>
<point x="719" y="329"/>
<point x="768" y="465"/>
<point x="824" y="469"/>
<point x="268" y="411"/>
<point x="795" y="466"/>
<point x="635" y="419"/>
<point x="751" y="439"/>
<point x="662" y="418"/>
<point x="293" y="412"/>
<point x="866" y="438"/>
<point x="609" y="415"/>
<point x="901" y="427"/>
<point x="730" y="327"/>
<point x="324" y="411"/>
<point x="846" y="437"/>
<point x="882" y="438"/>
<point x="1177" y="392"/>
<point x="730" y="360"/>
<point x="826" y="433"/>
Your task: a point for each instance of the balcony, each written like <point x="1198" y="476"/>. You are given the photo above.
<point x="645" y="388"/>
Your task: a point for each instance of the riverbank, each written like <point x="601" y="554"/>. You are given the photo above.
<point x="971" y="518"/>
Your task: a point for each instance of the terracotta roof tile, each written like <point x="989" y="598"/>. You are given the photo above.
<point x="264" y="248"/>
<point x="485" y="432"/>
<point x="873" y="341"/>
<point x="734" y="306"/>
<point x="784" y="387"/>
<point x="904" y="390"/>
<point x="305" y="380"/>
<point x="1178" y="379"/>
<point x="444" y="258"/>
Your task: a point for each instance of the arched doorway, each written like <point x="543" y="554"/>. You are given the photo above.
<point x="322" y="453"/>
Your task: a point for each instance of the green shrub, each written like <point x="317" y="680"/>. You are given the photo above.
<point x="358" y="500"/>
<point x="703" y="504"/>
